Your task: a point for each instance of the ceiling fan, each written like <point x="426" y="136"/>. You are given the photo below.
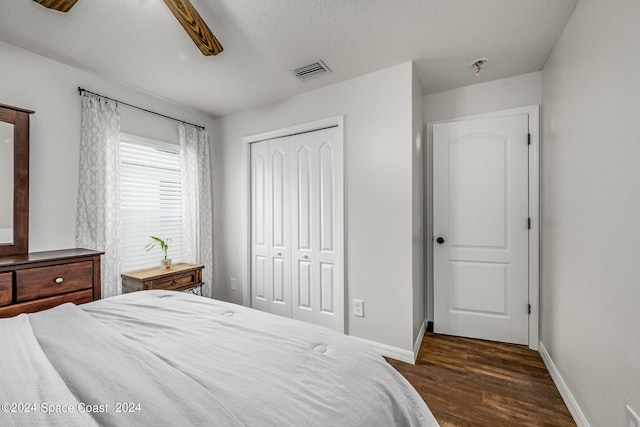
<point x="184" y="12"/>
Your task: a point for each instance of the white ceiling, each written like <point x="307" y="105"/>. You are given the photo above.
<point x="139" y="43"/>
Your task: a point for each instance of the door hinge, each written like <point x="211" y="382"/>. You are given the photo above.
<point x="528" y="308"/>
<point x="528" y="139"/>
<point x="529" y="223"/>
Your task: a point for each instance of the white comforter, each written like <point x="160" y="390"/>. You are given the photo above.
<point x="158" y="358"/>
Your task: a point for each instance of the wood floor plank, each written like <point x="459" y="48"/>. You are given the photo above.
<point x="474" y="383"/>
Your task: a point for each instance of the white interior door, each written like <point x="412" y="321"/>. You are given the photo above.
<point x="296" y="227"/>
<point x="480" y="191"/>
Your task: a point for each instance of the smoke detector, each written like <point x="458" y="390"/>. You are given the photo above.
<point x="478" y="64"/>
<point x="311" y="71"/>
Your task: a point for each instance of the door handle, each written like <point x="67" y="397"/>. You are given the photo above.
<point x="440" y="240"/>
<point x="279" y="254"/>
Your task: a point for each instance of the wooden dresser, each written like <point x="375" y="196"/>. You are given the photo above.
<point x="41" y="280"/>
<point x="180" y="277"/>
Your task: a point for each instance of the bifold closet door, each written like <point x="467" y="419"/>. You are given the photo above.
<point x="317" y="278"/>
<point x="296" y="227"/>
<point x="271" y="227"/>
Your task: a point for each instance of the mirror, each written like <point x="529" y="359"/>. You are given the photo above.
<point x="14" y="180"/>
<point x="6" y="183"/>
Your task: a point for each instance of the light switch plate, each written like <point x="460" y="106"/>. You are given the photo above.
<point x="234" y="284"/>
<point x="358" y="309"/>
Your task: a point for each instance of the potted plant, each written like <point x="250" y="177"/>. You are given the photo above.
<point x="164" y="246"/>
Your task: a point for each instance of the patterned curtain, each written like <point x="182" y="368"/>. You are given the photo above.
<point x="196" y="201"/>
<point x="98" y="213"/>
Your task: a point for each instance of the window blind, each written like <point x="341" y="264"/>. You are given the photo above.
<point x="150" y="201"/>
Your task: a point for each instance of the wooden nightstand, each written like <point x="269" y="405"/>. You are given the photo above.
<point x="180" y="277"/>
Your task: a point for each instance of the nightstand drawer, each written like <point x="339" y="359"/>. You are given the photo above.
<point x="6" y="292"/>
<point x="40" y="282"/>
<point x="176" y="283"/>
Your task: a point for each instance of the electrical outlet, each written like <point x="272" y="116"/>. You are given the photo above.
<point x="632" y="418"/>
<point x="234" y="287"/>
<point x="358" y="309"/>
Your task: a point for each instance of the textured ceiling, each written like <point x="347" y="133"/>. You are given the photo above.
<point x="139" y="42"/>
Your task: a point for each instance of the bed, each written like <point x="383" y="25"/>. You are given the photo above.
<point x="163" y="358"/>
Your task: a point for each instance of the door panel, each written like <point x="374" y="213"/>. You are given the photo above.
<point x="327" y="291"/>
<point x="304" y="285"/>
<point x="481" y="210"/>
<point x="278" y="199"/>
<point x="303" y="214"/>
<point x="259" y="226"/>
<point x="317" y="285"/>
<point x="475" y="156"/>
<point x="280" y="226"/>
<point x="479" y="287"/>
<point x="327" y="198"/>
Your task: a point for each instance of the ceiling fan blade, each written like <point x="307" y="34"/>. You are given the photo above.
<point x="60" y="5"/>
<point x="191" y="21"/>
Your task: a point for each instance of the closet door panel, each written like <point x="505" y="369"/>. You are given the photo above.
<point x="327" y="198"/>
<point x="302" y="197"/>
<point x="280" y="226"/>
<point x="315" y="215"/>
<point x="260" y="259"/>
<point x="327" y="288"/>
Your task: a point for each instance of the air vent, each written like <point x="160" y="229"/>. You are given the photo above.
<point x="311" y="71"/>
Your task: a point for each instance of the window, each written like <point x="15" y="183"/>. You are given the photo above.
<point x="150" y="200"/>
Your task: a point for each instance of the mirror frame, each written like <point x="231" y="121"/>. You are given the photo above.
<point x="19" y="118"/>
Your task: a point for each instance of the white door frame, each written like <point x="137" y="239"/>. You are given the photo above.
<point x="246" y="202"/>
<point x="533" y="111"/>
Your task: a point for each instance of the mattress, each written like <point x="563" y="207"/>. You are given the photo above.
<point x="162" y="358"/>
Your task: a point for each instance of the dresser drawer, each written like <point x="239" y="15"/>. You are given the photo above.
<point x="40" y="282"/>
<point x="6" y="289"/>
<point x="79" y="297"/>
<point x="176" y="283"/>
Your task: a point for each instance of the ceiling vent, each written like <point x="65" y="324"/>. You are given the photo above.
<point x="311" y="71"/>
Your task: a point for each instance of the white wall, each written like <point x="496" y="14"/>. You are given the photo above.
<point x="591" y="206"/>
<point x="50" y="88"/>
<point x="496" y="95"/>
<point x="377" y="109"/>
<point x="417" y="219"/>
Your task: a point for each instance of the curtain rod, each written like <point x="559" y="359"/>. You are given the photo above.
<point x="81" y="91"/>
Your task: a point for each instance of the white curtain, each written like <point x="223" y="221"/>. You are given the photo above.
<point x="98" y="214"/>
<point x="196" y="201"/>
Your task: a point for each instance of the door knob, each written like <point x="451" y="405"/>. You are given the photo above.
<point x="440" y="240"/>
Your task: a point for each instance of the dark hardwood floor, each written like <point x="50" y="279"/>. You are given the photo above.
<point x="477" y="383"/>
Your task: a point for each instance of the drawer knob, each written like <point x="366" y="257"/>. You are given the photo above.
<point x="59" y="280"/>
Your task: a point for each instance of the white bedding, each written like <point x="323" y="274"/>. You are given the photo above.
<point x="177" y="359"/>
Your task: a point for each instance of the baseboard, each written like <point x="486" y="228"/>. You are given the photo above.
<point x="390" y="351"/>
<point x="398" y="353"/>
<point x="569" y="400"/>
<point x="416" y="346"/>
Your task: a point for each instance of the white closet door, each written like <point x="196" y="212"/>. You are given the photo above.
<point x="280" y="227"/>
<point x="296" y="227"/>
<point x="260" y="254"/>
<point x="317" y="278"/>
